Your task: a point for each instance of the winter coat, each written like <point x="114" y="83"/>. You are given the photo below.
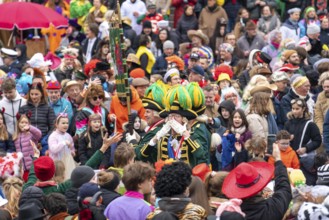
<point x="22" y="144"/>
<point x="208" y="19"/>
<point x="324" y="36"/>
<point x="122" y="112"/>
<point x="61" y="74"/>
<point x="320" y="110"/>
<point x="7" y="145"/>
<point x="256" y="43"/>
<point x="43" y="116"/>
<point x="258" y="125"/>
<point x="289" y="158"/>
<point x="160" y="64"/>
<point x="286" y="103"/>
<point x="129" y="33"/>
<point x="11" y="109"/>
<point x="303" y="26"/>
<point x="290" y="30"/>
<point x="326" y="132"/>
<point x="255" y="10"/>
<point x="71" y="196"/>
<point x="57" y="145"/>
<point x="312" y="138"/>
<point x="81" y="119"/>
<point x="108" y="196"/>
<point x="23" y="57"/>
<point x="273" y="208"/>
<point x="316" y="47"/>
<point x="266" y="25"/>
<point x="61" y="105"/>
<point x="179" y="8"/>
<point x="186" y="23"/>
<point x="96" y="141"/>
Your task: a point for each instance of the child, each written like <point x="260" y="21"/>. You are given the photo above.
<point x="61" y="146"/>
<point x="12" y="188"/>
<point x="6" y="141"/>
<point x="59" y="171"/>
<point x="137" y="179"/>
<point x="225" y="110"/>
<point x="108" y="182"/>
<point x="92" y="140"/>
<point x="23" y="136"/>
<point x="236" y="135"/>
<point x="288" y="155"/>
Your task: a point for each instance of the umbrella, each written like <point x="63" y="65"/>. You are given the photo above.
<point x="27" y="15"/>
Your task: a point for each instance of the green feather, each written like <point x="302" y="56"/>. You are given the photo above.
<point x="196" y="94"/>
<point x="180" y="94"/>
<point x="157" y="92"/>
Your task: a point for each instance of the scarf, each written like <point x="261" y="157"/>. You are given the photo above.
<point x="213" y="8"/>
<point x="275" y="45"/>
<point x="239" y="130"/>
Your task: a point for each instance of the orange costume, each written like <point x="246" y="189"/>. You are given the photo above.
<point x="289" y="158"/>
<point x="121" y="111"/>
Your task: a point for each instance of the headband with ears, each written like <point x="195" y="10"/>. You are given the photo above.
<point x="38" y="86"/>
<point x="28" y="115"/>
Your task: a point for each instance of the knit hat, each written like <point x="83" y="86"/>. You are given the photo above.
<point x="323" y="175"/>
<point x="53" y="85"/>
<point x="313" y="29"/>
<point x="170" y="73"/>
<point x="10" y="165"/>
<point x="87" y="190"/>
<point x="279" y="76"/>
<point x="31" y="193"/>
<point x="168" y="44"/>
<point x="293" y="10"/>
<point x="299" y="81"/>
<point x="137" y="73"/>
<point x="44" y="168"/>
<point x="288" y="53"/>
<point x="226" y="47"/>
<point x="81" y="175"/>
<point x="250" y="25"/>
<point x="147" y="24"/>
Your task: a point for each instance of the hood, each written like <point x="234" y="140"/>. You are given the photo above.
<point x="174" y="206"/>
<point x="228" y="105"/>
<point x="18" y="97"/>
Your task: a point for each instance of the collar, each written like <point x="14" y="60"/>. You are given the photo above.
<point x="134" y="194"/>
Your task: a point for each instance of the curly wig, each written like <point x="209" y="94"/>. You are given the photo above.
<point x="173" y="180"/>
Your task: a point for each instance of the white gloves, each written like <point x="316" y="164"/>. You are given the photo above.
<point x="177" y="127"/>
<point x="164" y="130"/>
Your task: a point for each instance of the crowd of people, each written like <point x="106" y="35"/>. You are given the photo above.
<point x="226" y="115"/>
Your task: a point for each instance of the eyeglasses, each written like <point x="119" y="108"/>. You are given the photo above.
<point x="298" y="101"/>
<point x="99" y="97"/>
<point x="284" y="144"/>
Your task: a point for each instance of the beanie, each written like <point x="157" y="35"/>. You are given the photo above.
<point x="168" y="44"/>
<point x="44" y="168"/>
<point x="147" y="24"/>
<point x="88" y="190"/>
<point x="137" y="73"/>
<point x="81" y="175"/>
<point x="313" y="29"/>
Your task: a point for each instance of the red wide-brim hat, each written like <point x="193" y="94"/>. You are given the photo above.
<point x="233" y="189"/>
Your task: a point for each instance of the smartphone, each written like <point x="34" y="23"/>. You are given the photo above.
<point x="271" y="138"/>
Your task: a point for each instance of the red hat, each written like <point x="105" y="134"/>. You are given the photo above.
<point x="223" y="68"/>
<point x="53" y="85"/>
<point x="55" y="60"/>
<point x="201" y="170"/>
<point x="247" y="179"/>
<point x="44" y="168"/>
<point x="137" y="73"/>
<point x="288" y="67"/>
<point x="91" y="65"/>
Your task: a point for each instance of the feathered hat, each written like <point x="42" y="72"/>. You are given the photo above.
<point x="176" y="62"/>
<point x="221" y="69"/>
<point x="154" y="96"/>
<point x="197" y="97"/>
<point x="178" y="101"/>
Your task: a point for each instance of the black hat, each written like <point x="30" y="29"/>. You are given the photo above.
<point x="102" y="66"/>
<point x="198" y="70"/>
<point x="265" y="57"/>
<point x="31" y="211"/>
<point x="80" y="76"/>
<point x="151" y="104"/>
<point x="31" y="193"/>
<point x="176" y="108"/>
<point x="194" y="56"/>
<point x="147" y="24"/>
<point x="81" y="175"/>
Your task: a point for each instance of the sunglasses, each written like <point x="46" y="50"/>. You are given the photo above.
<point x="297" y="101"/>
<point x="99" y="97"/>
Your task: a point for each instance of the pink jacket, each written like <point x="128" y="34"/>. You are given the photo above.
<point x="57" y="145"/>
<point x="22" y="144"/>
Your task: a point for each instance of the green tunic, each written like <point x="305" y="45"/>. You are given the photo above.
<point x="200" y="133"/>
<point x="143" y="151"/>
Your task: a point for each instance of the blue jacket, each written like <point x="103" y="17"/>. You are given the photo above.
<point x="160" y="65"/>
<point x="60" y="106"/>
<point x="7" y="145"/>
<point x="227" y="149"/>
